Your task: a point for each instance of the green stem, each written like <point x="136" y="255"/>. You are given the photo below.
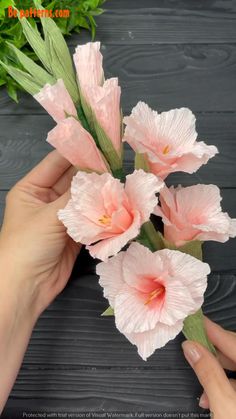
<point x="152" y="237"/>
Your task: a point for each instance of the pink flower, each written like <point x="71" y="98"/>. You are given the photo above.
<point x="105" y="103"/>
<point x="102" y="97"/>
<point x="56" y="101"/>
<point x="76" y="144"/>
<point x="152" y="293"/>
<point x="194" y="213"/>
<point x="104" y="214"/>
<point x="168" y="140"/>
<point x="88" y="63"/>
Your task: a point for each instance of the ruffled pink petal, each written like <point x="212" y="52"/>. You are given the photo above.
<point x="109" y="271"/>
<point x="141" y="188"/>
<point x="194" y="213"/>
<point x="76" y="144"/>
<point x="79" y="228"/>
<point x="88" y="63"/>
<point x="168" y="139"/>
<point x="56" y="101"/>
<point x="148" y="342"/>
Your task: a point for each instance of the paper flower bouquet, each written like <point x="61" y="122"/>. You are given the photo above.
<point x="154" y="281"/>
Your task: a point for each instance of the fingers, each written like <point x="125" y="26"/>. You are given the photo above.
<point x="226" y="363"/>
<point x="48" y="171"/>
<point x="224" y="340"/>
<point x="204" y="401"/>
<point x="210" y="374"/>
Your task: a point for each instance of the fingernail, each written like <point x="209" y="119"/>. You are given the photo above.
<point x="191" y="352"/>
<point x="203" y="402"/>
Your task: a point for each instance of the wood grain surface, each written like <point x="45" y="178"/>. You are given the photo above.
<point x="170" y="54"/>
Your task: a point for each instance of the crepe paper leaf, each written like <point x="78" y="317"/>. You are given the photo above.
<point x="24" y="79"/>
<point x="194" y="329"/>
<point x="108" y="149"/>
<point x="36" y="41"/>
<point x="59" y="55"/>
<point x="108" y="312"/>
<point x="41" y="76"/>
<point x="141" y="162"/>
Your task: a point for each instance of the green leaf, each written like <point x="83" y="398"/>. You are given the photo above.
<point x="12" y="91"/>
<point x="40" y="75"/>
<point x="24" y="79"/>
<point x="59" y="55"/>
<point x="194" y="329"/>
<point x="35" y="40"/>
<point x="108" y="312"/>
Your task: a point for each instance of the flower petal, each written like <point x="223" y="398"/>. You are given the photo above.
<point x="148" y="342"/>
<point x="141" y="188"/>
<point x="88" y="63"/>
<point x="107" y="273"/>
<point x="76" y="144"/>
<point x="56" y="101"/>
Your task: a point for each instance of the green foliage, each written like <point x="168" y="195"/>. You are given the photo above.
<point x="82" y="14"/>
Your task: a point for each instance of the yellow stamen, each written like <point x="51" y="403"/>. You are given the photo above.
<point x="105" y="220"/>
<point x="166" y="149"/>
<point x="154" y="294"/>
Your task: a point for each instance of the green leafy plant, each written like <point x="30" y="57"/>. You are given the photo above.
<point x="82" y="15"/>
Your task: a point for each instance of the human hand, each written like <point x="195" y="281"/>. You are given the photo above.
<point x="219" y="392"/>
<point x="35" y="251"/>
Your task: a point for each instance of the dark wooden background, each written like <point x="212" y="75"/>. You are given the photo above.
<point x="170" y="54"/>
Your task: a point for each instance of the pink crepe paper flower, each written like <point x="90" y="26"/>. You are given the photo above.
<point x="102" y="96"/>
<point x="76" y="144"/>
<point x="104" y="214"/>
<point x="152" y="293"/>
<point x="56" y="101"/>
<point x="88" y="63"/>
<point x="168" y="140"/>
<point x="105" y="103"/>
<point x="194" y="213"/>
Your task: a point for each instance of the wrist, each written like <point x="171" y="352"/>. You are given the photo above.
<point x="17" y="294"/>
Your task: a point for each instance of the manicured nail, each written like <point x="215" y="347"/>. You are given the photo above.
<point x="203" y="402"/>
<point x="191" y="352"/>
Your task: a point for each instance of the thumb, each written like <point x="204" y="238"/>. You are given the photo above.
<point x="210" y="374"/>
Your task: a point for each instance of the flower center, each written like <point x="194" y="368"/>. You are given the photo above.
<point x="154" y="294"/>
<point x="105" y="220"/>
<point x="166" y="149"/>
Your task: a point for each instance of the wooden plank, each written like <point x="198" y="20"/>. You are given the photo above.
<point x="156" y="22"/>
<point x="104" y="391"/>
<point x="22" y="145"/>
<point x="201" y="77"/>
<point x="78" y="361"/>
